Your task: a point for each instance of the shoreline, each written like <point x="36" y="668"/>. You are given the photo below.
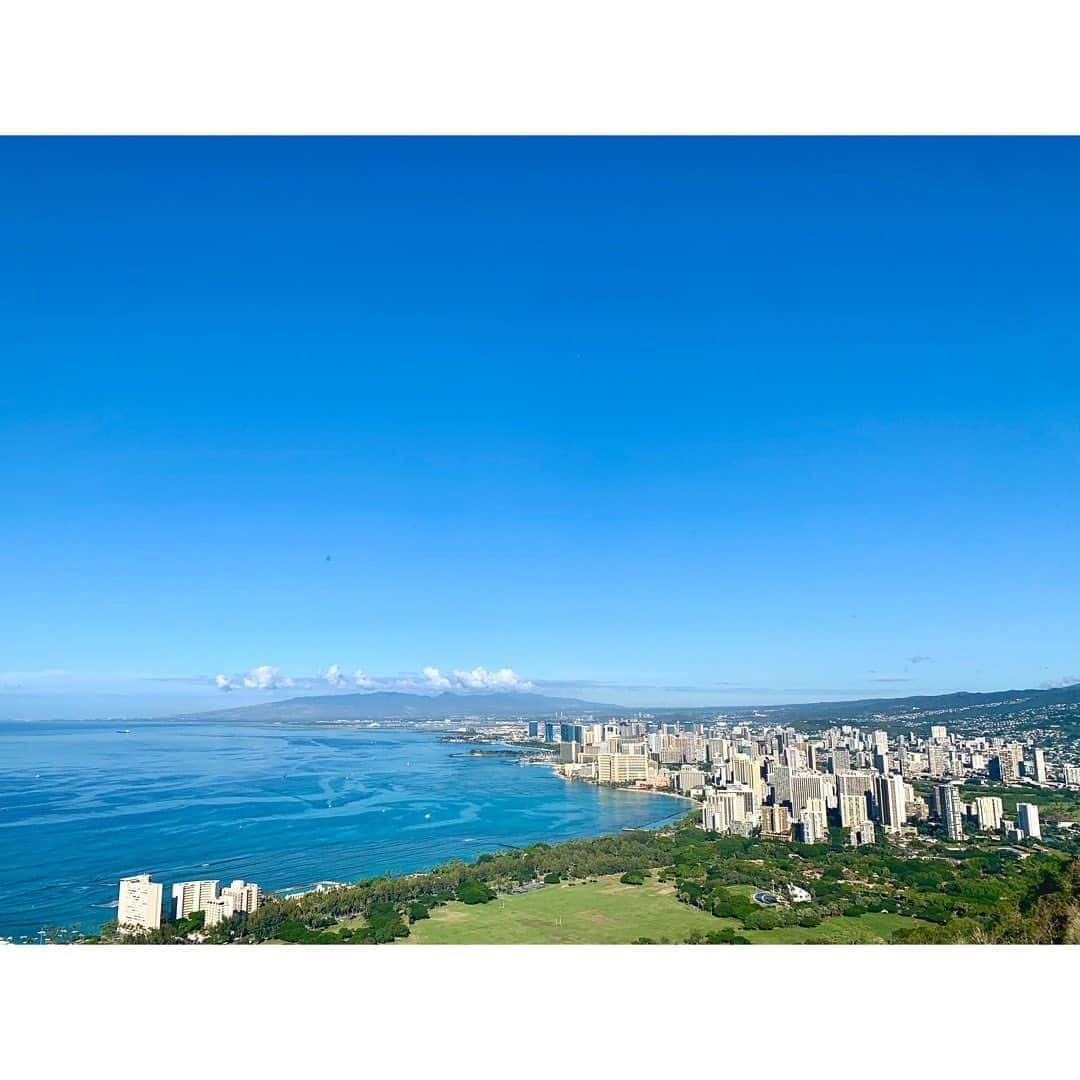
<point x="616" y="787"/>
<point x="582" y="825"/>
<point x="472" y="857"/>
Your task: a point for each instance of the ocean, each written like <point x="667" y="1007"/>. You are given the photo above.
<point x="83" y="804"/>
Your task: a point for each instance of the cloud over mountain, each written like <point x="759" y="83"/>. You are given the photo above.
<point x="263" y="677"/>
<point x="430" y="678"/>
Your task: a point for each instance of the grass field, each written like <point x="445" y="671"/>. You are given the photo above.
<point x="603" y="912"/>
<point x="606" y="912"/>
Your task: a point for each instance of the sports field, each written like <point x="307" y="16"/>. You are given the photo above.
<point x="605" y="912"/>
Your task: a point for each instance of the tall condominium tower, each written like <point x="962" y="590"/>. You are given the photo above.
<point x="989" y="811"/>
<point x="1027" y="819"/>
<point x="1039" y="757"/>
<point x="890" y="801"/>
<point x="139" y="906"/>
<point x="951" y="812"/>
<point x="191" y="896"/>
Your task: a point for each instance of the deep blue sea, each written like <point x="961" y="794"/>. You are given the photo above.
<point x="82" y="805"/>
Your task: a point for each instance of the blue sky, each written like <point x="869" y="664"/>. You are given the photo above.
<point x="651" y="420"/>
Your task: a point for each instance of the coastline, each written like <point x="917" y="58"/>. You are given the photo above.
<point x="345" y="806"/>
<point x="617" y="787"/>
<point x="472" y="857"/>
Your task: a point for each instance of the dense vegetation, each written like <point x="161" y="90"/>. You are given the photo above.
<point x="963" y="893"/>
<point x="984" y="891"/>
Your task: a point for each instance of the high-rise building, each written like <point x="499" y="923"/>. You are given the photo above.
<point x="139" y="905"/>
<point x="191" y="896"/>
<point x="841" y="760"/>
<point x="952" y="813"/>
<point x="880" y="742"/>
<point x="937" y="759"/>
<point x="1004" y="766"/>
<point x="861" y="834"/>
<point x="854" y="810"/>
<point x="217" y="911"/>
<point x="689" y="777"/>
<point x="989" y="812"/>
<point x="239" y="897"/>
<point x="813" y="827"/>
<point x="776" y="822"/>
<point x="745" y="771"/>
<point x="726" y="810"/>
<point x="780" y="778"/>
<point x="621" y="768"/>
<point x="854" y="783"/>
<point x="890" y="802"/>
<point x="1039" y="761"/>
<point x="717" y="750"/>
<point x="693" y="748"/>
<point x="1027" y="819"/>
<point x="804" y="787"/>
<point x="1072" y="776"/>
<point x="592" y="733"/>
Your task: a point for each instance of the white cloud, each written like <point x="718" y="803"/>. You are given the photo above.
<point x="431" y="678"/>
<point x="335" y="676"/>
<point x="435" y="679"/>
<point x="264" y="677"/>
<point x="1060" y="684"/>
<point x="482" y="679"/>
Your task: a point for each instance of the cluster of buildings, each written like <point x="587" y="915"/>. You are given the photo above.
<point x="140" y="902"/>
<point x="780" y="783"/>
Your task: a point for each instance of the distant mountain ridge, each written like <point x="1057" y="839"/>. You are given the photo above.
<point x="395" y="705"/>
<point x="994" y="701"/>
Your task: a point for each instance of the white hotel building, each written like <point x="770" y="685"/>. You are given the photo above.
<point x="238" y="897"/>
<point x="191" y="896"/>
<point x="139" y="905"/>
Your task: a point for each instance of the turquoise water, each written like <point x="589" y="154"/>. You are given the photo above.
<point x="82" y="805"/>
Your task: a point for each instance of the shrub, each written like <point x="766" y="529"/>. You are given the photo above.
<point x="727" y="936"/>
<point x="474" y="892"/>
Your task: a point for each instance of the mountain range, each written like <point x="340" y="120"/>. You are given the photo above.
<point x="393" y="705"/>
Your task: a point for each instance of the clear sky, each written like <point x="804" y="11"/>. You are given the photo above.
<point x="654" y="420"/>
